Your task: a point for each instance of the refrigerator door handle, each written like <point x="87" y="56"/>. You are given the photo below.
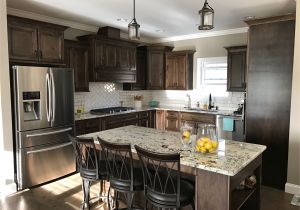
<point x="49" y="133"/>
<point x="53" y="96"/>
<point x="49" y="148"/>
<point x="48" y="97"/>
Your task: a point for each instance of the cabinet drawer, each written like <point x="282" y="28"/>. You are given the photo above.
<point x="201" y="118"/>
<point x="172" y="114"/>
<point x="144" y="114"/>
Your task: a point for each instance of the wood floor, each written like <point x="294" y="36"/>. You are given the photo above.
<point x="66" y="194"/>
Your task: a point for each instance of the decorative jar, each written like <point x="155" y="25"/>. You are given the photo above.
<point x="206" y="140"/>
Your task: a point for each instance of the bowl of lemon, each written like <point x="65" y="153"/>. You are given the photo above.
<point x="206" y="141"/>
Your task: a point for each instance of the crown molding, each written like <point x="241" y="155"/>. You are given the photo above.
<point x="48" y="19"/>
<point x="202" y="35"/>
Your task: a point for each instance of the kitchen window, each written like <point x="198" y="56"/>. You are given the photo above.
<point x="212" y="76"/>
<point x="213" y="70"/>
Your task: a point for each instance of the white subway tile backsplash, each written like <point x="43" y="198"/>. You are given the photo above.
<point x="111" y="94"/>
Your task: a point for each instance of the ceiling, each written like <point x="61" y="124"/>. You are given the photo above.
<point x="174" y="17"/>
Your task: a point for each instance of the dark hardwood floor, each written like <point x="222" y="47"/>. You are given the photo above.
<point x="66" y="194"/>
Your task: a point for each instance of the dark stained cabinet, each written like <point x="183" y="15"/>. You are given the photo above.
<point x="111" y="60"/>
<point x="76" y="57"/>
<point x="156" y="62"/>
<point x="270" y="69"/>
<point x="141" y="67"/>
<point x="236" y="68"/>
<point x="87" y="126"/>
<point x="35" y="42"/>
<point x="179" y="70"/>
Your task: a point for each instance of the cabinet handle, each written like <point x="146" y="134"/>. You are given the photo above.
<point x="41" y="54"/>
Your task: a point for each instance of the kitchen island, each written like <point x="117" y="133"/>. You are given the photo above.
<point x="217" y="175"/>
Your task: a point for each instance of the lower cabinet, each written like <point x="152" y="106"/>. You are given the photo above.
<point x="172" y="121"/>
<point x="144" y="119"/>
<point x="87" y="126"/>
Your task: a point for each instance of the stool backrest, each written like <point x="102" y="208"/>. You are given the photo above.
<point x="161" y="172"/>
<point x="119" y="161"/>
<point x="86" y="157"/>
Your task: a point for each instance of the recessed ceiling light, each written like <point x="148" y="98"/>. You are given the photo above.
<point x="250" y="17"/>
<point x="122" y="20"/>
<point x="160" y="30"/>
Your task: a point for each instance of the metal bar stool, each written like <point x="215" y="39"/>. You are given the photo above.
<point x="164" y="187"/>
<point x="123" y="176"/>
<point x="90" y="166"/>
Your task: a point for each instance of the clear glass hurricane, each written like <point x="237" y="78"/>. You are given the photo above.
<point x="186" y="131"/>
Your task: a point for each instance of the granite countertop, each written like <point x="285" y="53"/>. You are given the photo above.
<point x="87" y="115"/>
<point x="231" y="157"/>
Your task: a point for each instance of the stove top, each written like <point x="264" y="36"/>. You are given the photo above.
<point x="111" y="110"/>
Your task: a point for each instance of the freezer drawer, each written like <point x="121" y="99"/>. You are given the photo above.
<point x="44" y="137"/>
<point x="42" y="164"/>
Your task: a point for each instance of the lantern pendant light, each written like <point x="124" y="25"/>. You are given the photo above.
<point x="134" y="27"/>
<point x="206" y="17"/>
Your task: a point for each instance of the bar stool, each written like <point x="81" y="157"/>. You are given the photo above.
<point x="164" y="187"/>
<point x="123" y="176"/>
<point x="90" y="166"/>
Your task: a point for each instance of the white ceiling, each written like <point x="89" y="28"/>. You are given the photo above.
<point x="175" y="17"/>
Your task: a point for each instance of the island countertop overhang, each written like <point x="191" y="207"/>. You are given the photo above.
<point x="230" y="159"/>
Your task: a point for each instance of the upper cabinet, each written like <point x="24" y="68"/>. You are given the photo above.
<point x="111" y="60"/>
<point x="141" y="67"/>
<point x="156" y="62"/>
<point x="76" y="57"/>
<point x="179" y="70"/>
<point x="35" y="42"/>
<point x="236" y="70"/>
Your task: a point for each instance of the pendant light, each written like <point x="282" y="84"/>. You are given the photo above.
<point x="206" y="17"/>
<point x="134" y="27"/>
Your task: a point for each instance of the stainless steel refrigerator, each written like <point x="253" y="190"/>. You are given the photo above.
<point x="43" y="101"/>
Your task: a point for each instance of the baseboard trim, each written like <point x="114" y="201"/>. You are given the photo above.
<point x="292" y="189"/>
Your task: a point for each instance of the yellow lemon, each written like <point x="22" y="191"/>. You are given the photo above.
<point x="208" y="145"/>
<point x="198" y="148"/>
<point x="214" y="144"/>
<point x="186" y="134"/>
<point x="202" y="150"/>
<point x="200" y="143"/>
<point x="205" y="139"/>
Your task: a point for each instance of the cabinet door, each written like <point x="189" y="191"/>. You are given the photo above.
<point x="22" y="42"/>
<point x="172" y="124"/>
<point x="99" y="57"/>
<point x="155" y="70"/>
<point x="140" y="58"/>
<point x="123" y="58"/>
<point x="51" y="45"/>
<point x="110" y="55"/>
<point x="160" y="119"/>
<point x="76" y="57"/>
<point x="171" y="73"/>
<point x="181" y="71"/>
<point x="132" y="59"/>
<point x="236" y="69"/>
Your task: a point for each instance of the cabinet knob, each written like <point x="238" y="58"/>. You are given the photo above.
<point x="35" y="53"/>
<point x="41" y="54"/>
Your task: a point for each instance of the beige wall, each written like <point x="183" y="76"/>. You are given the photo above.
<point x="6" y="148"/>
<point x="294" y="145"/>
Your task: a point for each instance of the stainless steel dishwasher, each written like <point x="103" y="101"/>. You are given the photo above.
<point x="237" y="134"/>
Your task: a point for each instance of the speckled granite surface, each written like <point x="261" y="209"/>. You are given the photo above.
<point x="231" y="157"/>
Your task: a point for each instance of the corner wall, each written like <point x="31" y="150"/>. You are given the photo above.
<point x="6" y="144"/>
<point x="293" y="180"/>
